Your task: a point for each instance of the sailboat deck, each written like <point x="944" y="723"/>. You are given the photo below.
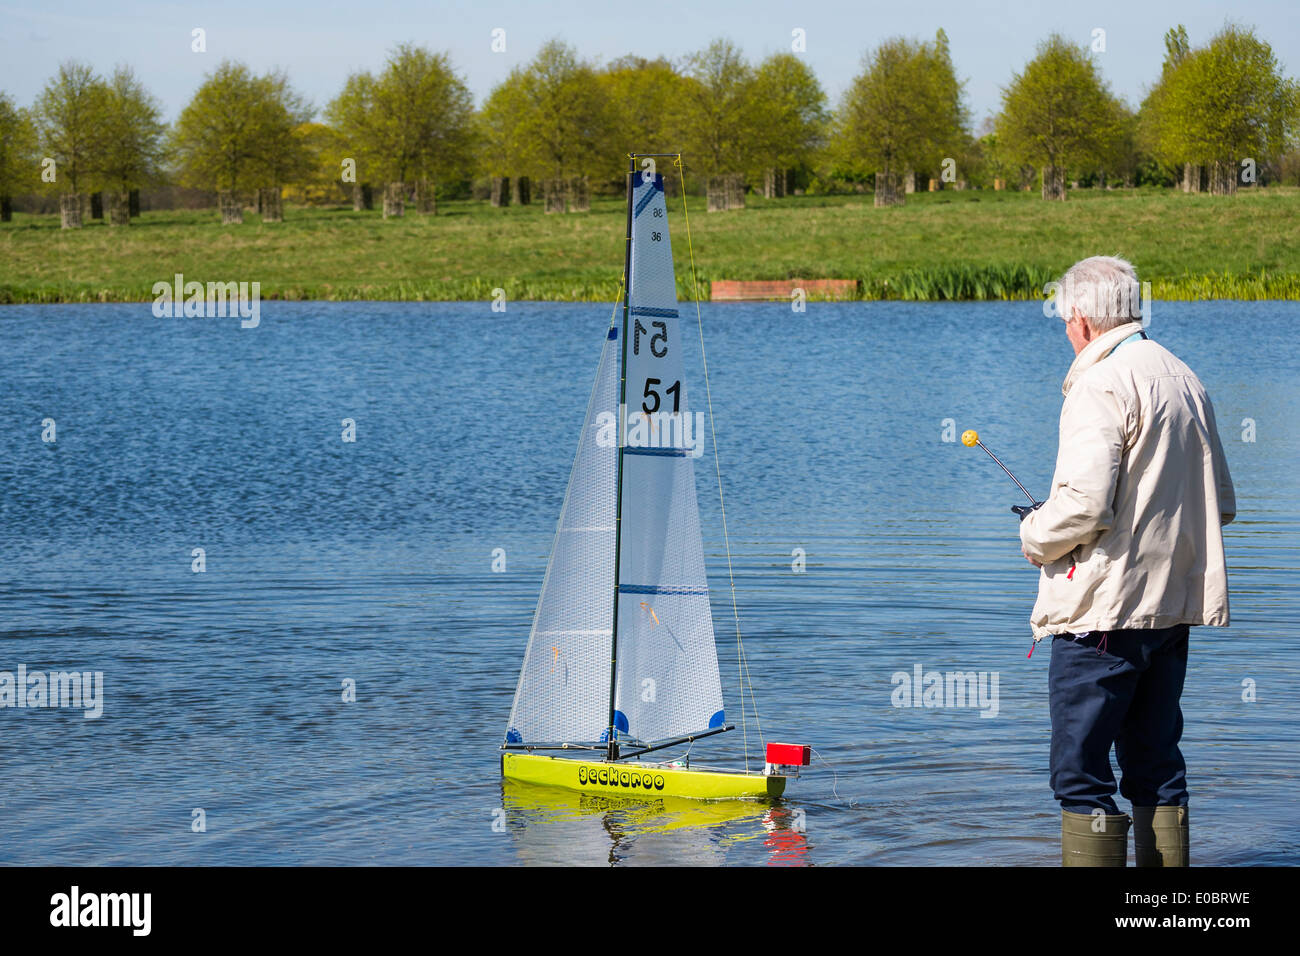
<point x="637" y="778"/>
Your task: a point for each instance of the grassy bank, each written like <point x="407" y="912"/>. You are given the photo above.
<point x="951" y="245"/>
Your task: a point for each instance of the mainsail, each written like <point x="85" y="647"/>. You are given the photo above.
<point x="666" y="682"/>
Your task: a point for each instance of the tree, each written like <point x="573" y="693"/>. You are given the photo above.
<point x="1227" y="105"/>
<point x="131" y="138"/>
<point x="551" y="118"/>
<point x="237" y="132"/>
<point x="1157" y="124"/>
<point x="351" y="116"/>
<point x="715" y="113"/>
<point x="1177" y="46"/>
<point x="981" y="162"/>
<point x="949" y="134"/>
<point x="68" y="112"/>
<point x="629" y="84"/>
<point x="1058" y="114"/>
<point x="18" y="160"/>
<point x="286" y="157"/>
<point x="411" y="123"/>
<point x="904" y="111"/>
<point x="504" y="148"/>
<point x="791" y="106"/>
<point x="1122" y="156"/>
<point x="320" y="179"/>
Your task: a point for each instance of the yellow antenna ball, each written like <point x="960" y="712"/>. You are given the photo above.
<point x="970" y="438"/>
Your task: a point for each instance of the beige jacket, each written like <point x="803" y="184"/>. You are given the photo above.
<point x="1130" y="536"/>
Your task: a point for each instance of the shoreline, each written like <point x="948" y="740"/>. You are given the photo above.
<point x="951" y="245"/>
<point x="1203" y="288"/>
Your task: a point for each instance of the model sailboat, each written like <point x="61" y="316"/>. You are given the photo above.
<point x="621" y="660"/>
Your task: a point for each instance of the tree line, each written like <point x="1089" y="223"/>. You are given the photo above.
<point x="1216" y="116"/>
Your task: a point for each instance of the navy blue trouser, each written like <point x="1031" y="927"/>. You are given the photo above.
<point x="1121" y="688"/>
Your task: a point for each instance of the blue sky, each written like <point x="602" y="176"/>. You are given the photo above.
<point x="319" y="43"/>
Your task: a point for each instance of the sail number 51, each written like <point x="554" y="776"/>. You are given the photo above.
<point x="675" y="390"/>
<point x="656" y="349"/>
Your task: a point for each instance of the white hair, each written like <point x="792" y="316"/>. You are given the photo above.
<point x="1105" y="291"/>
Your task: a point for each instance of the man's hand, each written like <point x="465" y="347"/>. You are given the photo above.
<point x="1024" y="510"/>
<point x="1037" y="564"/>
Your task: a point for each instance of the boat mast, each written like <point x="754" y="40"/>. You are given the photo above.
<point x="612" y="753"/>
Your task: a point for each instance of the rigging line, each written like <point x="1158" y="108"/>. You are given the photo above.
<point x="753" y="703"/>
<point x="613" y="318"/>
<point x="742" y="665"/>
<point x="685" y="756"/>
<point x="743" y="662"/>
<point x="618" y="300"/>
<point x="835" y="778"/>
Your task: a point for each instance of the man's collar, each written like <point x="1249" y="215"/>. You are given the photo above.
<point x="1096" y="350"/>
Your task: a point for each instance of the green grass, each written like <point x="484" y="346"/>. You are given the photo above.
<point x="950" y="245"/>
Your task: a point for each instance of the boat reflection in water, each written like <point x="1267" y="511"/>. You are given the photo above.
<point x="551" y="826"/>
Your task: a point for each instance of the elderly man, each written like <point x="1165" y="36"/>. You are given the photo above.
<point x="1131" y="551"/>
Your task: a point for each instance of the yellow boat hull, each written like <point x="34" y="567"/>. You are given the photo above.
<point x="633" y="779"/>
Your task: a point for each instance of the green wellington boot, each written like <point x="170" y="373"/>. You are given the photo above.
<point x="1160" y="836"/>
<point x="1088" y="840"/>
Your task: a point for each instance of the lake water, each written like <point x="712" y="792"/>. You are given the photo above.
<point x="371" y="561"/>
